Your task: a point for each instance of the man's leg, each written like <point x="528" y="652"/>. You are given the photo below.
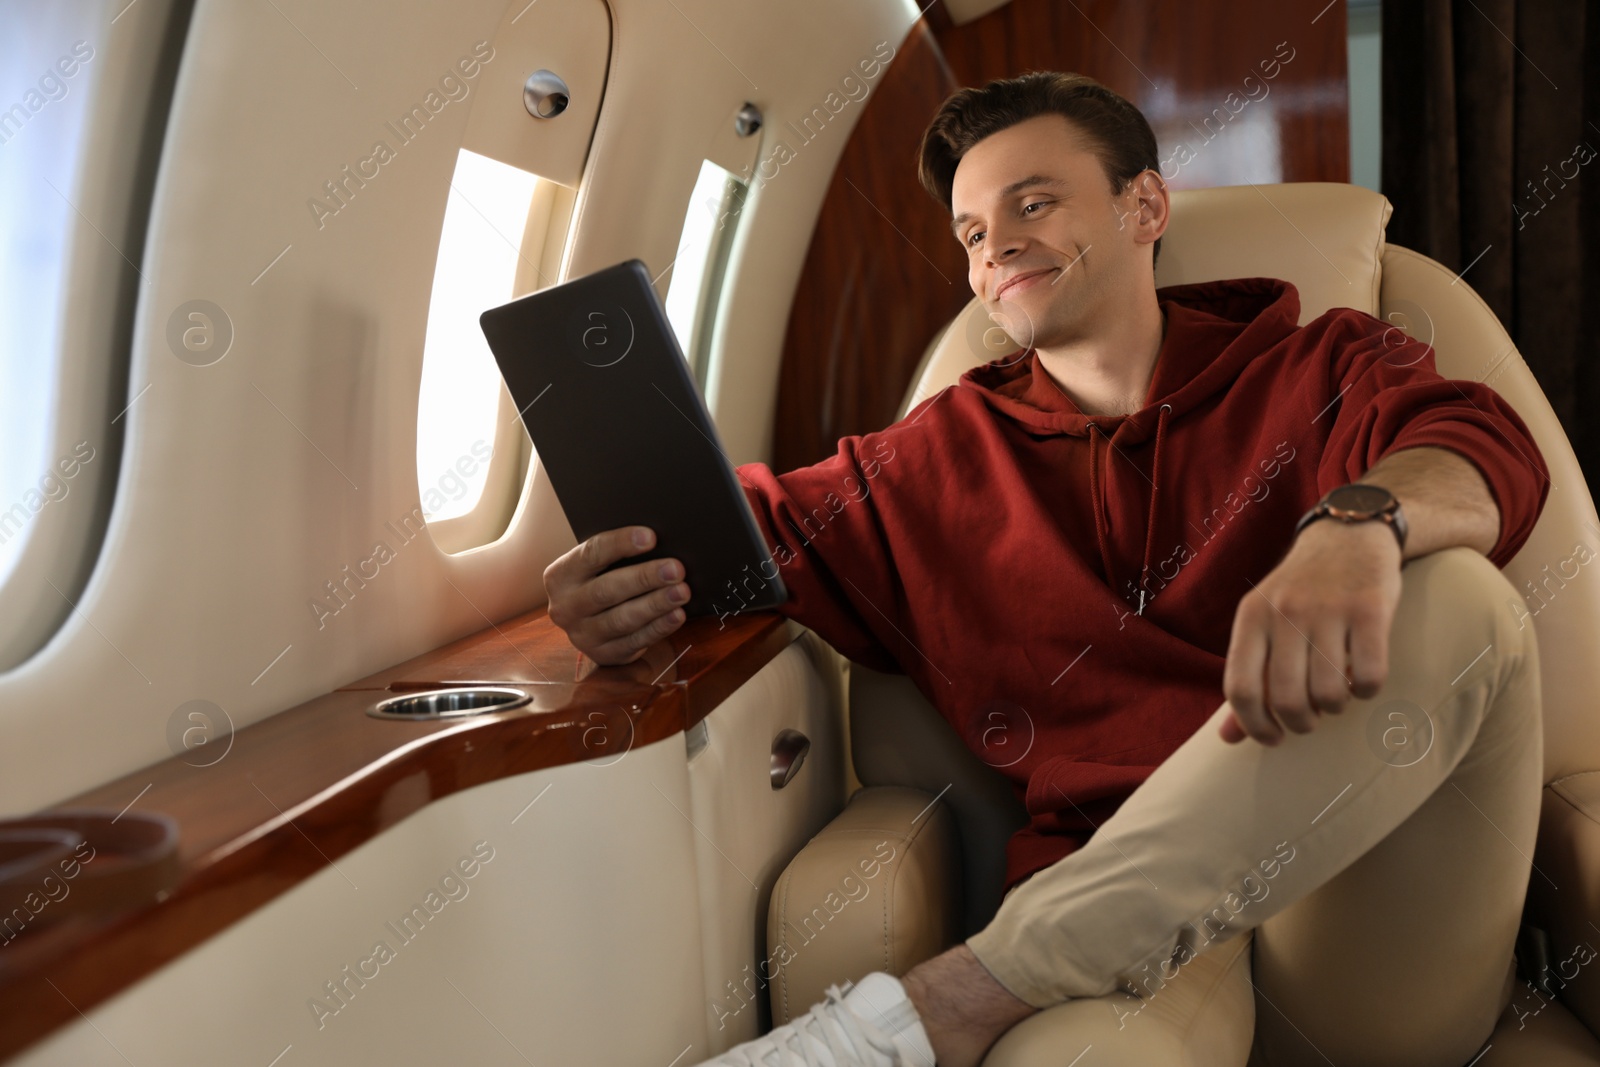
<point x="1426" y="797"/>
<point x="1202" y="1017"/>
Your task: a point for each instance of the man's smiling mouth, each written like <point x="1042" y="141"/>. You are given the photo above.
<point x="1032" y="277"/>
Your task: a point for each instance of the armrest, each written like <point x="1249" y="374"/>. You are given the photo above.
<point x="1564" y="890"/>
<point x="879" y="889"/>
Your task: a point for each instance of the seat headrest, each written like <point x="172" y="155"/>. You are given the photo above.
<point x="1324" y="237"/>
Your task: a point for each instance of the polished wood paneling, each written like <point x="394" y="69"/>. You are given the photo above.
<point x="1179" y="61"/>
<point x="84" y="862"/>
<point x="707" y="658"/>
<point x="881" y="268"/>
<point x="300" y="789"/>
<point x="883" y="275"/>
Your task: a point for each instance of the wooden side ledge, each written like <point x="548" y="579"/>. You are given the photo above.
<point x="300" y="789"/>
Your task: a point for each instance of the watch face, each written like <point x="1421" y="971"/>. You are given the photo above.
<point x="1360" y="499"/>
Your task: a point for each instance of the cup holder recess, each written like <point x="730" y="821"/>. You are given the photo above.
<point x="449" y="703"/>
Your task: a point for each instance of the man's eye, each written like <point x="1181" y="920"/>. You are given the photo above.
<point x="973" y="237"/>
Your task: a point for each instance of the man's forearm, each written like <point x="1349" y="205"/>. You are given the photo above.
<point x="1445" y="500"/>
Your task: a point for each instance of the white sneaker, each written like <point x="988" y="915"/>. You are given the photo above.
<point x="869" y="1024"/>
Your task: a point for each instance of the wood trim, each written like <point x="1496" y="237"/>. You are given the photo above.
<point x="300" y="789"/>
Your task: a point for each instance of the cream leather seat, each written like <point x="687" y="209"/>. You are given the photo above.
<point x="944" y="883"/>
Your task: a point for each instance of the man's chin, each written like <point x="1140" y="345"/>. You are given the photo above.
<point x="1034" y="319"/>
<point x="1007" y="316"/>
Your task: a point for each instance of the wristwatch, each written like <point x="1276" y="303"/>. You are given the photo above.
<point x="1358" y="502"/>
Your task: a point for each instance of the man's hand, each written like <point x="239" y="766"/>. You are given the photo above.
<point x="613" y="617"/>
<point x="1313" y="632"/>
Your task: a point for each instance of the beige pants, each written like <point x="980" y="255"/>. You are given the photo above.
<point x="1366" y="879"/>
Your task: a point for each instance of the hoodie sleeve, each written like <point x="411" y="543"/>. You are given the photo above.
<point x="823" y="527"/>
<point x="1390" y="396"/>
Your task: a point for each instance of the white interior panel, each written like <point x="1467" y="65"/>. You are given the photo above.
<point x="249" y="484"/>
<point x="570" y="39"/>
<point x="749" y="831"/>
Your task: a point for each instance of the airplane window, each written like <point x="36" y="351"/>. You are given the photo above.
<point x="44" y="108"/>
<point x="702" y="259"/>
<point x="479" y="251"/>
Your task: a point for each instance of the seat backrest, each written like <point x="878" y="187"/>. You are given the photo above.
<point x="1327" y="239"/>
<point x="1560" y="589"/>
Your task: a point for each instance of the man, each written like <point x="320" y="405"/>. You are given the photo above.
<point x="1096" y="540"/>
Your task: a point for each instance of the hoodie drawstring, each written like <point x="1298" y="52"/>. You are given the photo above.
<point x="1100" y="524"/>
<point x="1099" y="508"/>
<point x="1155" y="490"/>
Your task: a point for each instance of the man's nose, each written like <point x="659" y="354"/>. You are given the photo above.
<point x="996" y="258"/>
<point x="1002" y="246"/>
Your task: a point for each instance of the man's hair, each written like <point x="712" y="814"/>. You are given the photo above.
<point x="1116" y="130"/>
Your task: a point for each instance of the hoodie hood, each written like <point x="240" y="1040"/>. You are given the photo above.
<point x="1213" y="330"/>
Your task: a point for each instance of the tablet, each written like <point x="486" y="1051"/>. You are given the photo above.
<point x="605" y="393"/>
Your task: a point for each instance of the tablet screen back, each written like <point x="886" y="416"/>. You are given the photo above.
<point x="606" y="396"/>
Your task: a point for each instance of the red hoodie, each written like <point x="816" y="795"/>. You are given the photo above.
<point x="991" y="544"/>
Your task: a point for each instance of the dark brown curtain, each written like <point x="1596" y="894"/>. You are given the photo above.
<point x="1491" y="156"/>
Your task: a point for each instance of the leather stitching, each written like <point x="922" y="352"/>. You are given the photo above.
<point x="783" y="918"/>
<point x="1377" y="256"/>
<point x="888" y="938"/>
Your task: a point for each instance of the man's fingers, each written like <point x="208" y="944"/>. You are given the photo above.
<point x="604" y="549"/>
<point x="614" y="615"/>
<point x="596" y="554"/>
<point x="1313" y="634"/>
<point x="1287" y="693"/>
<point x="1369" y="653"/>
<point x="631" y="646"/>
<point x="616" y="587"/>
<point x="1326" y="667"/>
<point x="1231" y="731"/>
<point x="1242" y="675"/>
<point x="576" y="588"/>
<point x="634" y="615"/>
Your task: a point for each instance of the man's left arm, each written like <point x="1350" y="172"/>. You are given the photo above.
<point x="1445" y="500"/>
<point x="1339" y="585"/>
<point x="1465" y="470"/>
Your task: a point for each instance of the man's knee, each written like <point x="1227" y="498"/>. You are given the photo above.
<point x="1460" y="627"/>
<point x="1456" y="597"/>
<point x="1463" y="571"/>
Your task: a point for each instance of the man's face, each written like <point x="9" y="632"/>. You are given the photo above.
<point x="1044" y="233"/>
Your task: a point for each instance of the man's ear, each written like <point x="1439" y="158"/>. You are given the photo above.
<point x="1147" y="206"/>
